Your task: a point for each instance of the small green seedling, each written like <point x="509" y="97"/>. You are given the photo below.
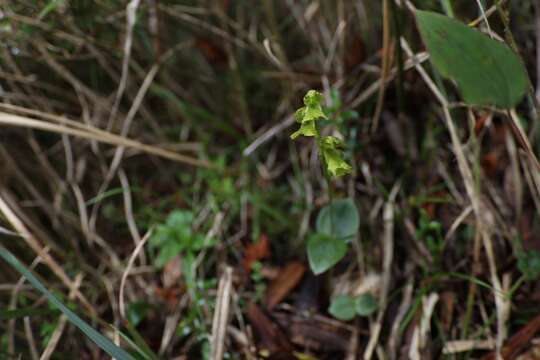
<point x="346" y="308"/>
<point x="430" y="231"/>
<point x="176" y="236"/>
<point x="338" y="222"/>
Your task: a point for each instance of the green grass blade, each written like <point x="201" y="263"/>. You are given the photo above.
<point x="107" y="345"/>
<point x="138" y="343"/>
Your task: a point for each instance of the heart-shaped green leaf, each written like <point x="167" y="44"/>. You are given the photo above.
<point x="486" y="71"/>
<point x="339" y="219"/>
<point x="324" y="252"/>
<point x="343" y="307"/>
<point x="366" y="304"/>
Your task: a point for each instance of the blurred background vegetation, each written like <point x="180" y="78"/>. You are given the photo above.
<point x="218" y="82"/>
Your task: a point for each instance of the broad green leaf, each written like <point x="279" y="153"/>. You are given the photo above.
<point x="343" y="307"/>
<point x="105" y="344"/>
<point x="366" y="304"/>
<point x="339" y="219"/>
<point x="486" y="71"/>
<point x="324" y="252"/>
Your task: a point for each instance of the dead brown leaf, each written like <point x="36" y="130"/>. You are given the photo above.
<point x="256" y="252"/>
<point x="287" y="279"/>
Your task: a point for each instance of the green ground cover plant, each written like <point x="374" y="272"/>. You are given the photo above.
<point x="265" y="180"/>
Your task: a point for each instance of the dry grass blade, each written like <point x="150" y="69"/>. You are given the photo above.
<point x="420" y="336"/>
<point x="111" y="139"/>
<point x="57" y="334"/>
<point x="34" y="244"/>
<point x="480" y="211"/>
<point x="221" y="315"/>
<point x="388" y="246"/>
<point x="125" y="119"/>
<point x="129" y="266"/>
<point x="457" y="346"/>
<point x="387" y="57"/>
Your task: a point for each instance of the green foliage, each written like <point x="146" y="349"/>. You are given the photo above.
<point x="176" y="236"/>
<point x="430" y="232"/>
<point x="324" y="252"/>
<point x="335" y="110"/>
<point x="343" y="307"/>
<point x="51" y="6"/>
<point x="336" y="223"/>
<point x="486" y="71"/>
<point x="105" y="344"/>
<point x="46" y="330"/>
<point x="137" y="311"/>
<point x="339" y="219"/>
<point x="258" y="279"/>
<point x="366" y="304"/>
<point x="330" y="147"/>
<point x="528" y="263"/>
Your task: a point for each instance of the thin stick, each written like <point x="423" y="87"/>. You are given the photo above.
<point x="388" y="251"/>
<point x="221" y="315"/>
<point x="131" y="261"/>
<point x="111" y="139"/>
<point x="34" y="244"/>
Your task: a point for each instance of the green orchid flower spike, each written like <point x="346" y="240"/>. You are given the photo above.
<point x="330" y="147"/>
<point x="331" y="150"/>
<point x="307" y="115"/>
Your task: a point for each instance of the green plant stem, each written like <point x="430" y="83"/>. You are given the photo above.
<point x="327" y="177"/>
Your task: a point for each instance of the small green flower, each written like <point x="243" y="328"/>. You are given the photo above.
<point x="333" y="157"/>
<point x="330" y="147"/>
<point x="308" y="114"/>
<point x="307" y="128"/>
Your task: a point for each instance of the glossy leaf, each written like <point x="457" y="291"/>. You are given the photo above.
<point x="486" y="71"/>
<point x="343" y="307"/>
<point x="324" y="252"/>
<point x="339" y="219"/>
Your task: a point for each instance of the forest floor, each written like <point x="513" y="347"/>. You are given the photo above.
<point x="149" y="181"/>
